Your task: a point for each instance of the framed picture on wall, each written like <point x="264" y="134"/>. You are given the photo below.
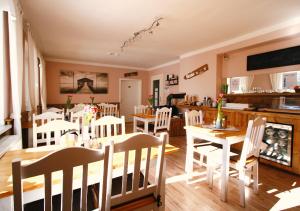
<point x="79" y="82"/>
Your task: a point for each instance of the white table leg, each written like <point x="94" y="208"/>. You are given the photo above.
<point x="134" y="124"/>
<point x="189" y="156"/>
<point x="146" y="126"/>
<point x="225" y="171"/>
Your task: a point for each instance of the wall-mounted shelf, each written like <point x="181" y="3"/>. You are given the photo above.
<point x="172" y="80"/>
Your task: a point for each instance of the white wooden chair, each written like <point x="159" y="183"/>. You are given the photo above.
<point x="153" y="189"/>
<point x="102" y="105"/>
<point x="201" y="147"/>
<point x="110" y="110"/>
<point x="58" y="127"/>
<point x="108" y="126"/>
<point x="47" y="117"/>
<point x="76" y="108"/>
<point x="248" y="161"/>
<point x="140" y="109"/>
<point x="56" y="110"/>
<point x="65" y="159"/>
<point x="162" y="122"/>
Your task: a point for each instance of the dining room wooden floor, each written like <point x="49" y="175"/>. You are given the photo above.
<point x="278" y="190"/>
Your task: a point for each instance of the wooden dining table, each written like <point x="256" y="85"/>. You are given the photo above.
<point x="33" y="188"/>
<point x="224" y="137"/>
<point x="145" y="118"/>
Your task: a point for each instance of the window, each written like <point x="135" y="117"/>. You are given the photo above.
<point x="290" y="79"/>
<point x="235" y="85"/>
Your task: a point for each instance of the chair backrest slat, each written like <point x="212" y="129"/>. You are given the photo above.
<point x="84" y="187"/>
<point x="48" y="191"/>
<point x="147" y="167"/>
<point x="65" y="159"/>
<point x="253" y="139"/>
<point x="67" y="188"/>
<point x="193" y="117"/>
<point x="137" y="145"/>
<point x="125" y="170"/>
<point x="162" y="119"/>
<point x="137" y="168"/>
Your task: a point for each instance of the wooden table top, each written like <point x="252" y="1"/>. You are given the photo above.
<point x="224" y="134"/>
<point x="32" y="154"/>
<point x="145" y="116"/>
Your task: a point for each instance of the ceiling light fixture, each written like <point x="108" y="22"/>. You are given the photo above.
<point x="138" y="35"/>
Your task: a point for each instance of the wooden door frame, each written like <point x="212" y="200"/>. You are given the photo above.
<point x="130" y="79"/>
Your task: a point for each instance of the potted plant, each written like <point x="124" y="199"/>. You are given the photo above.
<point x="150" y="100"/>
<point x="297" y="89"/>
<point x="68" y="102"/>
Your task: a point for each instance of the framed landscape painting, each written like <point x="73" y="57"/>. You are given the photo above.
<point x="83" y="82"/>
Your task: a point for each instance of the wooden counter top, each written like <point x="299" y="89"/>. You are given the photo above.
<point x="266" y="112"/>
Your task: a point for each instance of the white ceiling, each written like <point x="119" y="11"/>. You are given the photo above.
<point x="87" y="30"/>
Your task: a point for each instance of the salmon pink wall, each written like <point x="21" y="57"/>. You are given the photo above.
<point x="114" y="74"/>
<point x="203" y="84"/>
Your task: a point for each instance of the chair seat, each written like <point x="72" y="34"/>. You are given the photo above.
<point x="216" y="158"/>
<point x="235" y="160"/>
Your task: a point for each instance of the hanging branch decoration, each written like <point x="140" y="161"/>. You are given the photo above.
<point x="196" y="72"/>
<point x="139" y="34"/>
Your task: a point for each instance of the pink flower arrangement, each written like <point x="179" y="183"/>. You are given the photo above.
<point x="89" y="112"/>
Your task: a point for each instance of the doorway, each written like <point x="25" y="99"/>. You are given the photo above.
<point x="130" y="96"/>
<point x="157" y="87"/>
<point x="155" y="93"/>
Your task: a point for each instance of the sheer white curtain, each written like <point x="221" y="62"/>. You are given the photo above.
<point x="2" y="76"/>
<point x="32" y="93"/>
<point x="43" y="82"/>
<point x="276" y="81"/>
<point x="27" y="101"/>
<point x="246" y="82"/>
<point x="31" y="56"/>
<point x="16" y="67"/>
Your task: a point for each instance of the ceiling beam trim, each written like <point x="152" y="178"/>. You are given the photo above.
<point x="93" y="64"/>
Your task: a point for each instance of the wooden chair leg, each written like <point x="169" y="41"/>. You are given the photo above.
<point x="242" y="187"/>
<point x="255" y="177"/>
<point x="248" y="176"/>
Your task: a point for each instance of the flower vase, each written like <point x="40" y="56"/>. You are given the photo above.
<point x="218" y="123"/>
<point x="219" y="119"/>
